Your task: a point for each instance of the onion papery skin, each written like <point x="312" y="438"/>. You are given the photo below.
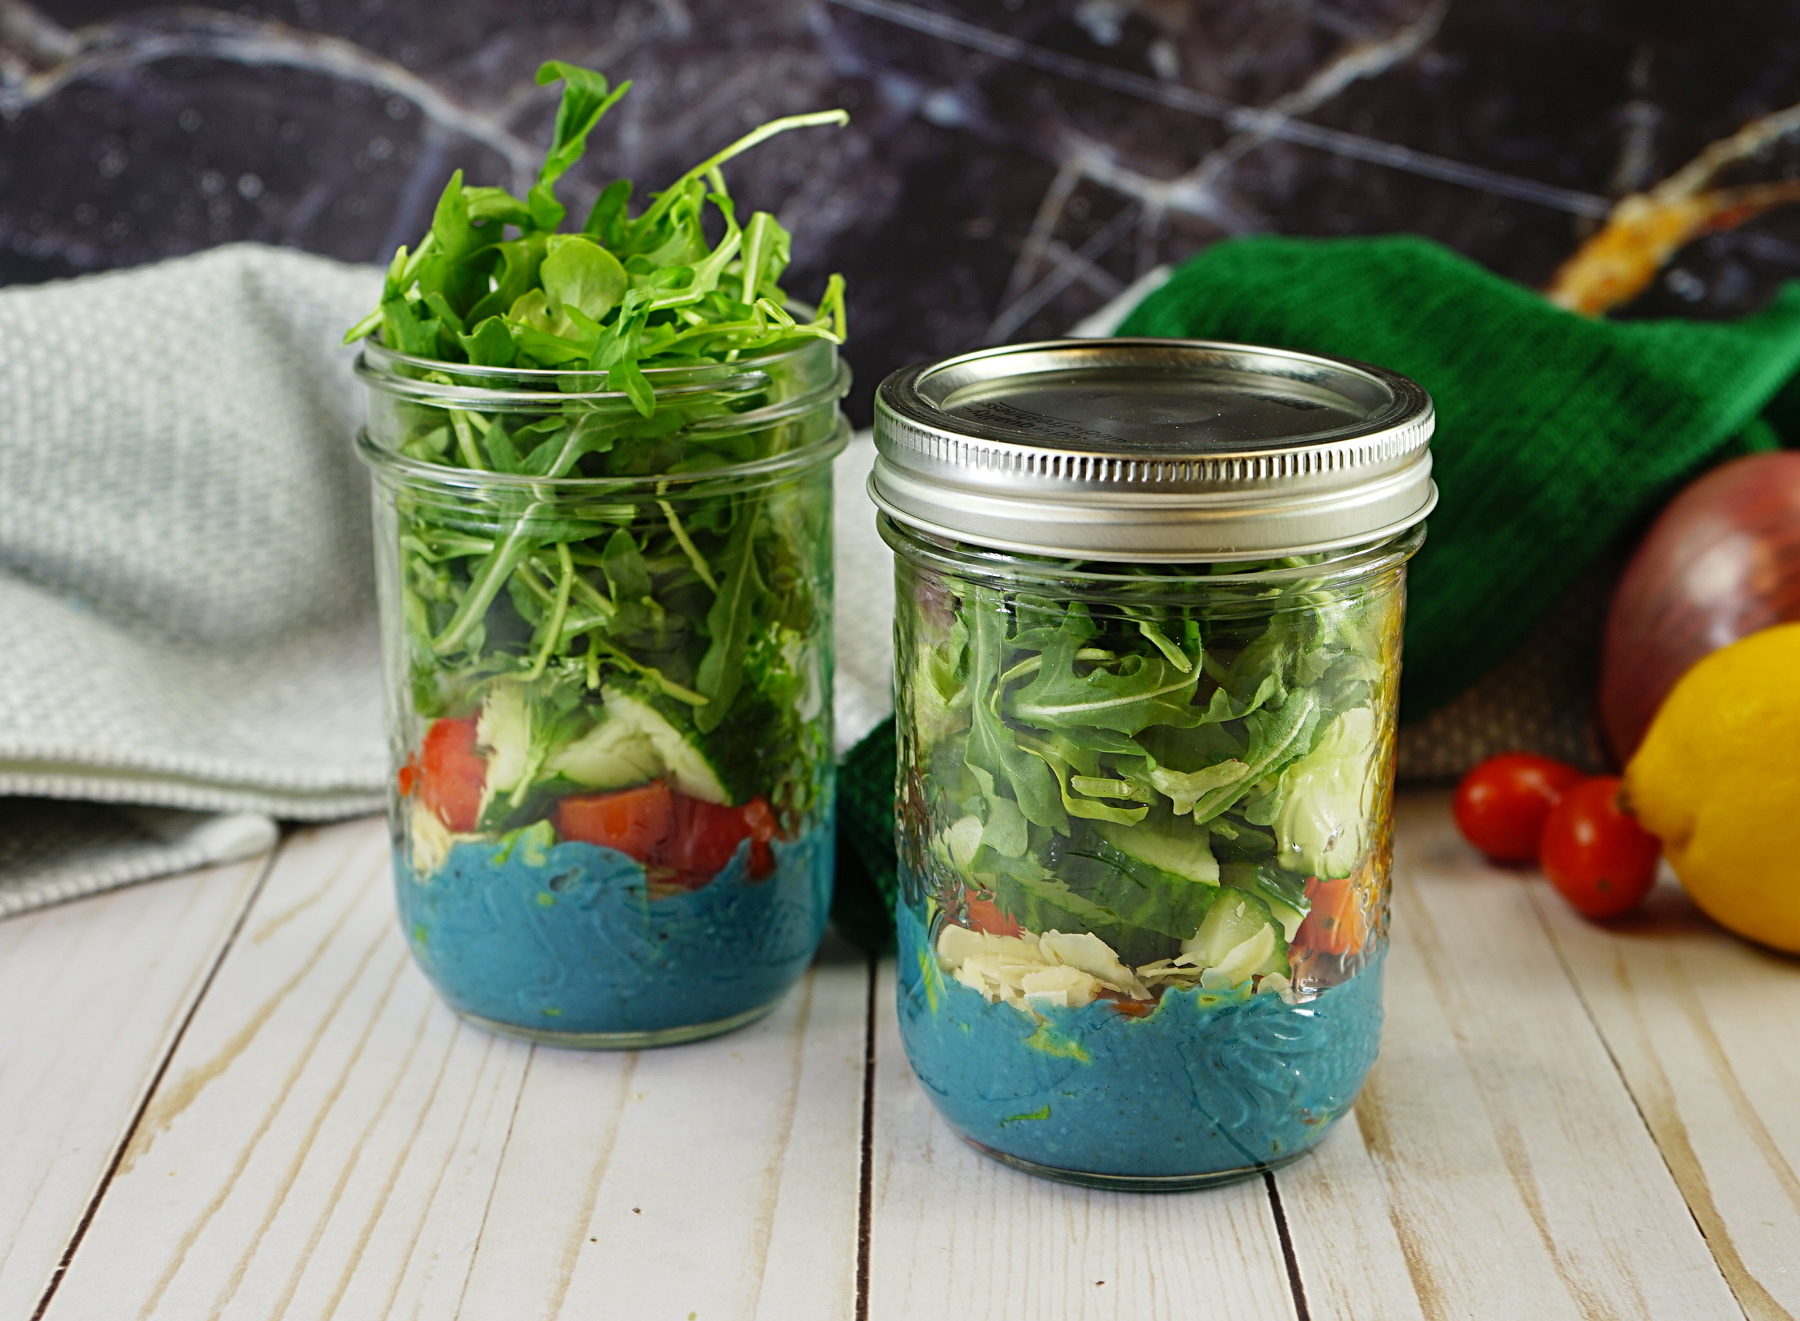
<point x="1721" y="562"/>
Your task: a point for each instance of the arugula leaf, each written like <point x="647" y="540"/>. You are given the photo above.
<point x="1014" y="782"/>
<point x="580" y="274"/>
<point x="1140" y="691"/>
<point x="729" y="622"/>
<point x="491" y="345"/>
<point x="585" y="99"/>
<point x="709" y="605"/>
<point x="1218" y="730"/>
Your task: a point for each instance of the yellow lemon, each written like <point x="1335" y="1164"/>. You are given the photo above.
<point x="1717" y="780"/>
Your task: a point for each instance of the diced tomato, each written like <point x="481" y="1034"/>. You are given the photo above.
<point x="639" y="822"/>
<point x="761" y="820"/>
<point x="985" y="915"/>
<point x="407" y="776"/>
<point x="706" y="836"/>
<point x="448" y="773"/>
<point x="685" y="841"/>
<point x="1336" y="924"/>
<point x="1129" y="1007"/>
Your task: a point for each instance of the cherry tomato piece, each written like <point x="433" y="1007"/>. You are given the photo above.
<point x="685" y="841"/>
<point x="760" y="820"/>
<point x="705" y="836"/>
<point x="1594" y="851"/>
<point x="985" y="915"/>
<point x="639" y="822"/>
<point x="449" y="773"/>
<point x="1500" y="806"/>
<point x="1336" y="923"/>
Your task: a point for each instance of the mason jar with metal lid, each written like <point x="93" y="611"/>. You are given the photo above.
<point x="1147" y="656"/>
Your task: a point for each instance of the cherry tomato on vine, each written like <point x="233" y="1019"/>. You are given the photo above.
<point x="1501" y="805"/>
<point x="1594" y="851"/>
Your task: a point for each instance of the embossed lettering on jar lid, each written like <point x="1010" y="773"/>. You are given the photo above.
<point x="1153" y="449"/>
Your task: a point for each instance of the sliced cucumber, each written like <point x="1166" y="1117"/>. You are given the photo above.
<point x="1173" y="845"/>
<point x="504" y="729"/>
<point x="1244" y="960"/>
<point x="960" y="841"/>
<point x="614" y="754"/>
<point x="1153" y="910"/>
<point x="1239" y="938"/>
<point x="634" y="743"/>
<point x="1281" y="890"/>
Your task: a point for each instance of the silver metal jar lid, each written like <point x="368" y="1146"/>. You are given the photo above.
<point x="1158" y="450"/>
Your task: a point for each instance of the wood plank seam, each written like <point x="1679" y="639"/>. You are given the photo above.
<point x="596" y="1179"/>
<point x="297" y="1165"/>
<point x="416" y="1237"/>
<point x="1501" y="1171"/>
<point x="487" y="1206"/>
<point x="348" y="1272"/>
<point x="764" y="1219"/>
<point x="217" y="1203"/>
<point x="1755" y="1301"/>
<point x="1510" y="1138"/>
<point x="154" y="1082"/>
<point x="1295" y="1286"/>
<point x="865" y="1193"/>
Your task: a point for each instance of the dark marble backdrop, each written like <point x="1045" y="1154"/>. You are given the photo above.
<point x="1010" y="166"/>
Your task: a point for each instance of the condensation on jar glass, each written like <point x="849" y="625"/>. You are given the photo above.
<point x="1149" y="603"/>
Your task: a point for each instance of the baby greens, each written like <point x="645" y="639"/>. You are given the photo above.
<point x="623" y="293"/>
<point x="1110" y="765"/>
<point x="671" y="626"/>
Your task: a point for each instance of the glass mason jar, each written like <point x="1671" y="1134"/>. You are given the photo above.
<point x="1149" y="603"/>
<point x="607" y="642"/>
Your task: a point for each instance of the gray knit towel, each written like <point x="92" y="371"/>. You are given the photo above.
<point x="185" y="572"/>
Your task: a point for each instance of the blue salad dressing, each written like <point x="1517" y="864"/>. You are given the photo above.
<point x="563" y="939"/>
<point x="1208" y="1082"/>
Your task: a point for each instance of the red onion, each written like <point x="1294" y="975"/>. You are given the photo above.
<point x="1722" y="561"/>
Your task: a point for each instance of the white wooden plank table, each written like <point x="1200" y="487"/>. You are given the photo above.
<point x="230" y="1095"/>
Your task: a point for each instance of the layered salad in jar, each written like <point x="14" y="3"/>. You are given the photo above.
<point x="604" y="537"/>
<point x="1144" y="855"/>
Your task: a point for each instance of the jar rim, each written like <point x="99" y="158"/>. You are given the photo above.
<point x="377" y="365"/>
<point x="419" y="473"/>
<point x="999" y="567"/>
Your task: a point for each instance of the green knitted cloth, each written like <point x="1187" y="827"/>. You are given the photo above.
<point x="1555" y="434"/>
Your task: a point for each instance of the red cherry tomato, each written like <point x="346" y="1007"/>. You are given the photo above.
<point x="1595" y="853"/>
<point x="1500" y="806"/>
<point x="639" y="822"/>
<point x="448" y="773"/>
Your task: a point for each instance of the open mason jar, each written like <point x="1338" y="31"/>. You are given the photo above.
<point x="607" y="641"/>
<point x="1149" y="603"/>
